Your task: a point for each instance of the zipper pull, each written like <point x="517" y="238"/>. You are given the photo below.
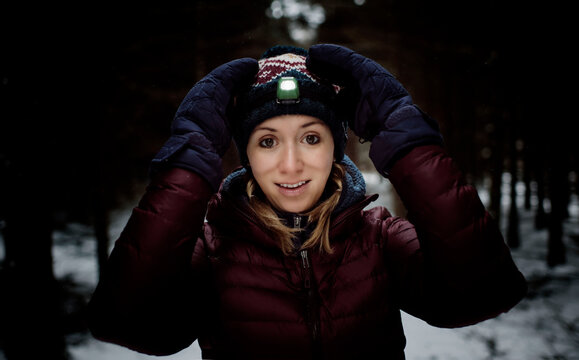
<point x="305" y="261"/>
<point x="306" y="266"/>
<point x="297" y="222"/>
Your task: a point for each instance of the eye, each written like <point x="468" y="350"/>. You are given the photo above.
<point x="312" y="139"/>
<point x="267" y="143"/>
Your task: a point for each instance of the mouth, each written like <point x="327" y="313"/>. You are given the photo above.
<point x="293" y="185"/>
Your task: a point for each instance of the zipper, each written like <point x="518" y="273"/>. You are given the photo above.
<point x="304" y="255"/>
<point x="311" y="314"/>
<point x="311" y="303"/>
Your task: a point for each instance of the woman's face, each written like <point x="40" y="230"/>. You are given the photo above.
<point x="291" y="159"/>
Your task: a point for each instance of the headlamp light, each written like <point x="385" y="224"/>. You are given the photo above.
<point x="288" y="91"/>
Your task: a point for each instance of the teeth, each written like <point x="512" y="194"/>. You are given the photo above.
<point x="292" y="186"/>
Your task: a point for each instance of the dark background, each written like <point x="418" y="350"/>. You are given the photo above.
<point x="88" y="92"/>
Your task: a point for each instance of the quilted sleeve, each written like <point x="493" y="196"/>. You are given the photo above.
<point x="453" y="264"/>
<point x="148" y="293"/>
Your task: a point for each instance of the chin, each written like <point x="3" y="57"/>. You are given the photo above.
<point x="294" y="208"/>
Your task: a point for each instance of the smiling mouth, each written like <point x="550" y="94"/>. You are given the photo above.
<point x="293" y="186"/>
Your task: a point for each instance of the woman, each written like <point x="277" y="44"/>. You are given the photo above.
<point x="288" y="264"/>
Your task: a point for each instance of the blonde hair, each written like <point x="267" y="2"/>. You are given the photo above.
<point x="320" y="215"/>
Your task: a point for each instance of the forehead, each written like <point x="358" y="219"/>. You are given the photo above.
<point x="289" y="122"/>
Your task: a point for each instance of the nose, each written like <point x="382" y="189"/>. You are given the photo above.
<point x="291" y="160"/>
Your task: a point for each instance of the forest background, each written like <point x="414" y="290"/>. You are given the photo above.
<point x="88" y="92"/>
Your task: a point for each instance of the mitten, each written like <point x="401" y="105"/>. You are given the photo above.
<point x="383" y="111"/>
<point x="199" y="132"/>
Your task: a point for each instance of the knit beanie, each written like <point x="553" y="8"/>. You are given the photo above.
<point x="283" y="86"/>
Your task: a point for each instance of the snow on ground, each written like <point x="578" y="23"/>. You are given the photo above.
<point x="542" y="326"/>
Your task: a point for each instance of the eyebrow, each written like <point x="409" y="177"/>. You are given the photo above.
<point x="315" y="122"/>
<point x="264" y="128"/>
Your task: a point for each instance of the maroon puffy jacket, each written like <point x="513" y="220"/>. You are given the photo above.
<point x="173" y="278"/>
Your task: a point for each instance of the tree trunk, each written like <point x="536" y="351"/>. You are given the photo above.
<point x="513" y="236"/>
<point x="558" y="190"/>
<point x="31" y="316"/>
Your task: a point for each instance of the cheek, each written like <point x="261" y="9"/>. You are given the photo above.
<point x="326" y="159"/>
<point x="253" y="158"/>
<point x="260" y="166"/>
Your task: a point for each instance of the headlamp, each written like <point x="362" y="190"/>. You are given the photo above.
<point x="288" y="91"/>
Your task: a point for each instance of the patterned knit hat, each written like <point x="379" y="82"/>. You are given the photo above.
<point x="284" y="85"/>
